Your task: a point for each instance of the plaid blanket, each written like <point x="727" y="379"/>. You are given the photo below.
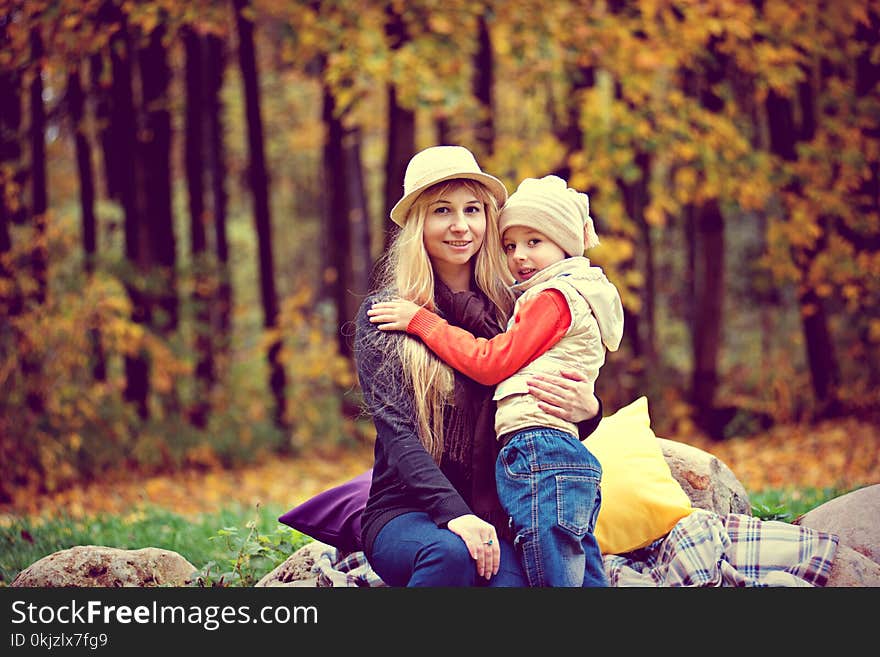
<point x="335" y="568"/>
<point x="703" y="549"/>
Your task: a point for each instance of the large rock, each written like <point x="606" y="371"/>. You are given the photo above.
<point x="851" y="568"/>
<point x="297" y="568"/>
<point x="854" y="517"/>
<point x="706" y="480"/>
<point x="96" y="565"/>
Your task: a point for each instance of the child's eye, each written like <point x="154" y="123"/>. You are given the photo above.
<point x="534" y="241"/>
<point x="508" y="248"/>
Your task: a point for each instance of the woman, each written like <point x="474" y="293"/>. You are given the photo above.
<point x="433" y="516"/>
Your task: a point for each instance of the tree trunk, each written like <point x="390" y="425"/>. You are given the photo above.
<point x="824" y="369"/>
<point x="689" y="279"/>
<point x="201" y="297"/>
<point x="40" y="193"/>
<point x="482" y="85"/>
<point x="101" y="88"/>
<point x="708" y="281"/>
<point x="639" y="325"/>
<point x="347" y="241"/>
<point x="12" y="205"/>
<point x="570" y="134"/>
<point x="867" y="78"/>
<point x="635" y="200"/>
<point x="401" y="132"/>
<point x="401" y="147"/>
<point x="443" y="130"/>
<point x="360" y="270"/>
<point x="76" y="102"/>
<point x="155" y="146"/>
<point x="709" y="311"/>
<point x="101" y="73"/>
<point x="259" y="181"/>
<point x="215" y="66"/>
<point x="124" y="145"/>
<point x="31" y="366"/>
<point x="154" y="194"/>
<point x="337" y="235"/>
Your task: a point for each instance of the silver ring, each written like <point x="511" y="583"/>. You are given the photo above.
<point x="489" y="542"/>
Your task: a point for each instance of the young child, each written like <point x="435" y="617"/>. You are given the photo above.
<point x="566" y="316"/>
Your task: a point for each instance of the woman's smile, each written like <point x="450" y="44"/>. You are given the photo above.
<point x="454" y="229"/>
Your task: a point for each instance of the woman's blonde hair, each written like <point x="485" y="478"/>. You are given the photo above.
<point x="407" y="272"/>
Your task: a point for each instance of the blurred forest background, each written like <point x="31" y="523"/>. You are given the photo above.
<point x="193" y="195"/>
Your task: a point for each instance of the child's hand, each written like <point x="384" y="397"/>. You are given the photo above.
<point x="392" y="315"/>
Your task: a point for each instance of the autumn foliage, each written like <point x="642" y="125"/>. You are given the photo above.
<point x="193" y="194"/>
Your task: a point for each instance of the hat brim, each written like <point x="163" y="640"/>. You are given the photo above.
<point x="495" y="187"/>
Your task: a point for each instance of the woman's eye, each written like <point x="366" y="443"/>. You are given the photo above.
<point x="441" y="210"/>
<point x="472" y="209"/>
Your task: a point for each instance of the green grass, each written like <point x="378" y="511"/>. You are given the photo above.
<point x="787" y="504"/>
<point x="236" y="546"/>
<point x="232" y="547"/>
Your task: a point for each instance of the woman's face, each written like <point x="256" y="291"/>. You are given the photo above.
<point x="455" y="225"/>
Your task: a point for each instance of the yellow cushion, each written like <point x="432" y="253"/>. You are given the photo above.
<point x="641" y="500"/>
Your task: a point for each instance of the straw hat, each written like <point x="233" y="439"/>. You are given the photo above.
<point x="439" y="163"/>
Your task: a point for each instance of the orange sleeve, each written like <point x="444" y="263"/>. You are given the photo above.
<point x="538" y="325"/>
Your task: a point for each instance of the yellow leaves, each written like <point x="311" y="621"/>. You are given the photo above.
<point x="75" y="441"/>
<point x="440" y="23"/>
<point x="654" y="215"/>
<point x="70" y="22"/>
<point x="276" y="481"/>
<point x="824" y="290"/>
<point x="684" y="184"/>
<point x="202" y="455"/>
<point x="753" y="192"/>
<point x="648" y="60"/>
<point x="841" y="453"/>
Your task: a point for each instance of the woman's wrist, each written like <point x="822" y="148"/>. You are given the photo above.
<point x="588" y="426"/>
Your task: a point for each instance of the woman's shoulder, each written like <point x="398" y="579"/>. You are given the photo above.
<point x="369" y="300"/>
<point x="367" y="335"/>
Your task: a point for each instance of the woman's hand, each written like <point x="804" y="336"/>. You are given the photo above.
<point x="569" y="396"/>
<point x="481" y="541"/>
<point x="392" y="315"/>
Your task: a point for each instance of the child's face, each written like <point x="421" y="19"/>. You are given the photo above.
<point x="528" y="252"/>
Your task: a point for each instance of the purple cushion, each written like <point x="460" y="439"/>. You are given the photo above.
<point x="334" y="516"/>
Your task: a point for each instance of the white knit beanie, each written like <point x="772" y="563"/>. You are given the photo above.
<point x="553" y="208"/>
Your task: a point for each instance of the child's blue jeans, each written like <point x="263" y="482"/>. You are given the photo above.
<point x="548" y="483"/>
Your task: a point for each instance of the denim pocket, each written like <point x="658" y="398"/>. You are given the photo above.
<point x="516" y="462"/>
<point x="577" y="502"/>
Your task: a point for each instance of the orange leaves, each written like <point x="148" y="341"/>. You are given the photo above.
<point x="842" y="453"/>
<point x="277" y="481"/>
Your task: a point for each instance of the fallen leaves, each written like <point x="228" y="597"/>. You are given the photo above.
<point x="843" y="453"/>
<point x="282" y="481"/>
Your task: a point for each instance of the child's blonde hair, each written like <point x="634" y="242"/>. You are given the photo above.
<point x="407" y="272"/>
